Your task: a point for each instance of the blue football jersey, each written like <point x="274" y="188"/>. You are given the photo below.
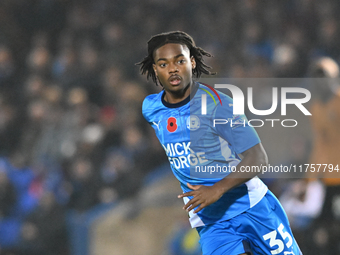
<point x="202" y="139"/>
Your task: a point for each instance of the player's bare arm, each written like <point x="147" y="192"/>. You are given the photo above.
<point x="206" y="195"/>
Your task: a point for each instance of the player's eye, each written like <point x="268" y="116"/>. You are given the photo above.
<point x="181" y="61"/>
<point x="162" y="65"/>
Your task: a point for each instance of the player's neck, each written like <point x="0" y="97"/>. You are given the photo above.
<point x="178" y="96"/>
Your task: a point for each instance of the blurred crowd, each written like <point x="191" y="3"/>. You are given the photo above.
<point x="71" y="131"/>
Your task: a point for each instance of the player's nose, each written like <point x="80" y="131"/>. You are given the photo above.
<point x="173" y="68"/>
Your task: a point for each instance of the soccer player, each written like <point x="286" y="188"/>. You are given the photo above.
<point x="233" y="212"/>
<point x="325" y="122"/>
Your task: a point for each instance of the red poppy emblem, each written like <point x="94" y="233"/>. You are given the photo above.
<point x="172" y="124"/>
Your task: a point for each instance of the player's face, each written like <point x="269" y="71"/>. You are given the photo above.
<point x="173" y="67"/>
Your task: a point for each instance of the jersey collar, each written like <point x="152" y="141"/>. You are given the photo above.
<point x="185" y="101"/>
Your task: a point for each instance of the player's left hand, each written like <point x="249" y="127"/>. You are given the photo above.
<point x="202" y="196"/>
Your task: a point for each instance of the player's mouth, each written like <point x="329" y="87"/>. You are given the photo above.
<point x="175" y="79"/>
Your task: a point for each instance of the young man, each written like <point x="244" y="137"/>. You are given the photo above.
<point x="233" y="212"/>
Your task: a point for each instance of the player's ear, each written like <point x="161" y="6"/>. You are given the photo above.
<point x="154" y="69"/>
<point x="193" y="62"/>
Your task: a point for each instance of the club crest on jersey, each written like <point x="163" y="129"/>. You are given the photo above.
<point x="193" y="122"/>
<point x="171" y="124"/>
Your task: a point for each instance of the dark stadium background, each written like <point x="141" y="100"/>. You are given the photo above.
<point x="81" y="172"/>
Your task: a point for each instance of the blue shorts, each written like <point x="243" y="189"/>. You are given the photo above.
<point x="261" y="230"/>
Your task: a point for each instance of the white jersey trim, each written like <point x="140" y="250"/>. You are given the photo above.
<point x="256" y="190"/>
<point x="195" y="220"/>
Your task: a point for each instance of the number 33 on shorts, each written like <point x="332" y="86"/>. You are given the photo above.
<point x="277" y="244"/>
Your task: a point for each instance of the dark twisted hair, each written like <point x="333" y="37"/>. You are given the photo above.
<point x="179" y="37"/>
